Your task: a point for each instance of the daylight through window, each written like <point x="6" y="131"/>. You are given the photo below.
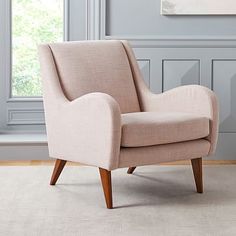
<point x="33" y="22"/>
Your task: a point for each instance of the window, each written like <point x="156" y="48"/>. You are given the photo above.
<point x="23" y="25"/>
<point x="33" y="22"/>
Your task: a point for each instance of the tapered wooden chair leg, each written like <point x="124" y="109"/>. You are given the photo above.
<point x="197" y="172"/>
<point x="107" y="186"/>
<point x="131" y="170"/>
<point x="59" y="165"/>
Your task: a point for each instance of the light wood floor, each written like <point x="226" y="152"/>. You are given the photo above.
<point x="51" y="162"/>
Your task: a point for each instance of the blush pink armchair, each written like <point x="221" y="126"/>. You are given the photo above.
<point x="99" y="112"/>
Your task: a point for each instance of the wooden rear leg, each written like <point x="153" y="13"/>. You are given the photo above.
<point x="107" y="186"/>
<point x="131" y="170"/>
<point x="59" y="165"/>
<point x="197" y="172"/>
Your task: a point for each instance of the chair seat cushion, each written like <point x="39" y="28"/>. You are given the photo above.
<point x="141" y="129"/>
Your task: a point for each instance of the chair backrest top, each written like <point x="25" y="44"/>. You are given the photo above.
<point x="96" y="66"/>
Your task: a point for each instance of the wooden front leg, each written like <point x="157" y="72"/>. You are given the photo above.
<point x="107" y="186"/>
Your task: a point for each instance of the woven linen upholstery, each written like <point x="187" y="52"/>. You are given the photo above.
<point x="154" y="128"/>
<point x="151" y="155"/>
<point x="87" y="67"/>
<point x="194" y="99"/>
<point x="96" y="102"/>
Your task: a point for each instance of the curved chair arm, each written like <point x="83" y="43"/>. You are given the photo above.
<point x="191" y="99"/>
<point x="86" y="130"/>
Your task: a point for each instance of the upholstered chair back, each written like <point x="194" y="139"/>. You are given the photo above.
<point x="85" y="67"/>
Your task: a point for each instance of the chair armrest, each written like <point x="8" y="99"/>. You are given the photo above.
<point x="193" y="99"/>
<point x="86" y="130"/>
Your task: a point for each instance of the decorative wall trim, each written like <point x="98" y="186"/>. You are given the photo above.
<point x="221" y="129"/>
<point x="25" y="99"/>
<point x="93" y="19"/>
<point x="25" y="117"/>
<point x="180" y="60"/>
<point x="8" y="41"/>
<point x="148" y="62"/>
<point x="180" y="43"/>
<point x="212" y="68"/>
<point x="66" y="26"/>
<point x="172" y="37"/>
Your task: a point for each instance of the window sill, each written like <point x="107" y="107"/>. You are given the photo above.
<point x="23" y="139"/>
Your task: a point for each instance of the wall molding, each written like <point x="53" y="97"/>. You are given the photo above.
<point x="148" y="62"/>
<point x="214" y="88"/>
<point x="212" y="68"/>
<point x="180" y="60"/>
<point x="93" y="19"/>
<point x="21" y="116"/>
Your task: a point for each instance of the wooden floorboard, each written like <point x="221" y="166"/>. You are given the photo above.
<point x="51" y="163"/>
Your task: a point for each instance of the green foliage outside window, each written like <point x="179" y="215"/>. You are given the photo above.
<point x="33" y="22"/>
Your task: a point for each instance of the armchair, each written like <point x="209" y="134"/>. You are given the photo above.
<point x="99" y="112"/>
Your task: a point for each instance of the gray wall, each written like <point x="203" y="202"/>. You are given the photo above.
<point x="180" y="50"/>
<point x="171" y="51"/>
<point x="142" y="17"/>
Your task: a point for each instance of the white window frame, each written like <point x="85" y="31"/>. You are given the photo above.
<point x="26" y="114"/>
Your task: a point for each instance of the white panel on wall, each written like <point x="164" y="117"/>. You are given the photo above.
<point x="180" y="72"/>
<point x="224" y="84"/>
<point x="144" y="66"/>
